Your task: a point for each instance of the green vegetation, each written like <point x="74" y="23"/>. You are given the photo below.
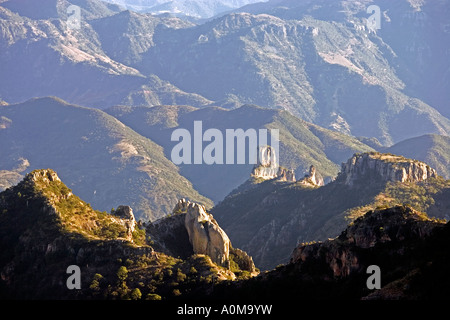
<point x="79" y="140"/>
<point x="157" y="277"/>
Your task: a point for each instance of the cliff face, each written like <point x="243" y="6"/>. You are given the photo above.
<point x="125" y="213"/>
<point x="313" y="178"/>
<point x="268" y="168"/>
<point x="205" y="235"/>
<point x="410" y="250"/>
<point x="386" y="167"/>
<point x="345" y="254"/>
<point x="197" y="232"/>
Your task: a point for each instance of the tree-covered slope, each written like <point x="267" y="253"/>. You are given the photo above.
<point x="100" y="158"/>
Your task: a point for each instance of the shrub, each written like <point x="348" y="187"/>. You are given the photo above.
<point x="136" y="294"/>
<point x="122" y="273"/>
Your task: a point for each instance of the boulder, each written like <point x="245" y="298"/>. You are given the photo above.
<point x="204" y="232"/>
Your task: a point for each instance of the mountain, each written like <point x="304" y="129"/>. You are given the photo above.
<point x="48" y="233"/>
<point x="301" y="143"/>
<point x="329" y="73"/>
<point x="432" y="149"/>
<point x="319" y="62"/>
<point x="42" y="56"/>
<point x="409" y="250"/>
<point x="267" y="218"/>
<point x="200" y="9"/>
<point x="411" y="36"/>
<point x="45" y="230"/>
<point x="100" y="158"/>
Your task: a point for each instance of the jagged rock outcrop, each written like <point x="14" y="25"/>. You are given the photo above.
<point x="125" y="213"/>
<point x="44" y="175"/>
<point x="284" y="174"/>
<point x="243" y="260"/>
<point x="313" y="178"/>
<point x="344" y="255"/>
<point x="204" y="232"/>
<point x="268" y="168"/>
<point x="386" y="167"/>
<point x="267" y="165"/>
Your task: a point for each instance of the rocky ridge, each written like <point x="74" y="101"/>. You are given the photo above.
<point x="267" y="218"/>
<point x="409" y="248"/>
<point x="192" y="230"/>
<point x="343" y="254"/>
<point x="44" y="228"/>
<point x="387" y="167"/>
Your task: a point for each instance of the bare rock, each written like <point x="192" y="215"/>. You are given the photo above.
<point x="125" y="213"/>
<point x="386" y="167"/>
<point x="313" y="178"/>
<point x="204" y="232"/>
<point x="268" y="168"/>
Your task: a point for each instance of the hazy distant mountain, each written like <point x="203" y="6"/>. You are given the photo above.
<point x="414" y="37"/>
<point x="328" y="73"/>
<point x="319" y="62"/>
<point x="45" y="58"/>
<point x="192" y="8"/>
<point x="302" y="144"/>
<point x="101" y="159"/>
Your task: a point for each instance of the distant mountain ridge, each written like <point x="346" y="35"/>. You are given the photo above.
<point x="301" y="143"/>
<point x="325" y="67"/>
<point x="200" y="9"/>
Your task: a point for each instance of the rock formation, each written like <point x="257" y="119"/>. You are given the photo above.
<point x="268" y="168"/>
<point x="125" y="213"/>
<point x="267" y="165"/>
<point x="284" y="174"/>
<point x="343" y="255"/>
<point x="313" y="178"/>
<point x="44" y="175"/>
<point x="386" y="167"/>
<point x="205" y="235"/>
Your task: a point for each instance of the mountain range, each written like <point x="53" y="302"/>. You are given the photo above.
<point x="45" y="229"/>
<point x="198" y="9"/>
<point x="274" y="56"/>
<point x="93" y="94"/>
